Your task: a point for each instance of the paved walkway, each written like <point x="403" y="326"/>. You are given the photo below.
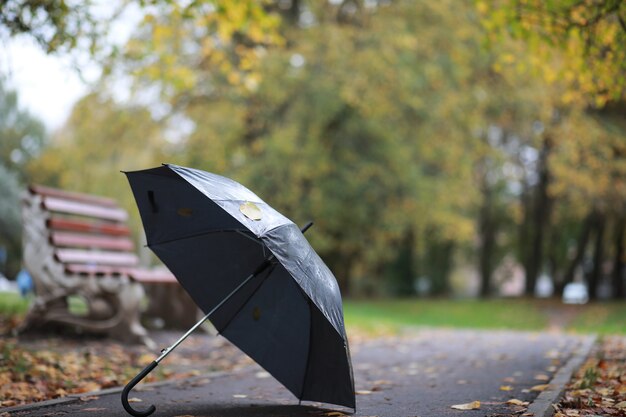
<point x="421" y="374"/>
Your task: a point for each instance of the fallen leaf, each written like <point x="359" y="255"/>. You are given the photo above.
<point x="262" y="375"/>
<point x="135" y="400"/>
<point x="363" y="392"/>
<point x="89" y="398"/>
<point x="200" y="382"/>
<point x="514" y="401"/>
<point x="474" y="405"/>
<point x="540" y="388"/>
<point x="506" y="388"/>
<point x="240" y="396"/>
<point x="621" y="404"/>
<point x="542" y="377"/>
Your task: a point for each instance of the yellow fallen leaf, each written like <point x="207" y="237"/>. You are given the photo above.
<point x="135" y="400"/>
<point x="542" y="377"/>
<point x="251" y="210"/>
<point x="474" y="405"/>
<point x="540" y="388"/>
<point x="363" y="392"/>
<point x="506" y="388"/>
<point x="621" y="404"/>
<point x="515" y="401"/>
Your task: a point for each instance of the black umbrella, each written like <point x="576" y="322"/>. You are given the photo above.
<point x="253" y="273"/>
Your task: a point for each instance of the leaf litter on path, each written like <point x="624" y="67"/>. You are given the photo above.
<point x="599" y="386"/>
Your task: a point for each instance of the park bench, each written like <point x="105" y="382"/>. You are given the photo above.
<point x="79" y="245"/>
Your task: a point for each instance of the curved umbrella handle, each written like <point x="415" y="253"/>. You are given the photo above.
<point x="141" y="375"/>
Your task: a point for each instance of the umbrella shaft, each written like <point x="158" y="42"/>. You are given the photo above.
<point x="167" y="350"/>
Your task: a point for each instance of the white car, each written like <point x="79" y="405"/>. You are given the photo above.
<point x="575" y="293"/>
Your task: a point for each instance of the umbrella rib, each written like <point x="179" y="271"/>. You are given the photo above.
<point x="242" y="232"/>
<point x="269" y="272"/>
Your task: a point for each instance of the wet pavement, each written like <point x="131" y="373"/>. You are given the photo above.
<point x="420" y="373"/>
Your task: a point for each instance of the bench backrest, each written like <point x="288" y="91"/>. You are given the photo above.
<point x="89" y="233"/>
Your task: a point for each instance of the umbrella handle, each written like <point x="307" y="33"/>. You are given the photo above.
<point x="141" y="375"/>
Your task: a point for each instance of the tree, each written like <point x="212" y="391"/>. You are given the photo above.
<point x="23" y="136"/>
<point x="577" y="43"/>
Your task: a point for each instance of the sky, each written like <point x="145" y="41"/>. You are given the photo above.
<point x="47" y="85"/>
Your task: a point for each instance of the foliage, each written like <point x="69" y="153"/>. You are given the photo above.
<point x="578" y="44"/>
<point x="55" y="24"/>
<point x="410" y="144"/>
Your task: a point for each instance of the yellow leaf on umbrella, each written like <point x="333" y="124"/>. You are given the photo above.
<point x="251" y="210"/>
<point x="474" y="405"/>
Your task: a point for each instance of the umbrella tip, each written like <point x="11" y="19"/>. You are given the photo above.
<point x="306" y="227"/>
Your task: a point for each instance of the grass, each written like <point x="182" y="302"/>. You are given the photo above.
<point x="489" y="314"/>
<point x="391" y="315"/>
<point x="12" y="304"/>
<point x="601" y="318"/>
<point x="515" y="314"/>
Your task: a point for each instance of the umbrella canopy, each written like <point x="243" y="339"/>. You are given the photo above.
<point x="212" y="233"/>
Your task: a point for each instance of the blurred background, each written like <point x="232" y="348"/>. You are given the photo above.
<point x="456" y="150"/>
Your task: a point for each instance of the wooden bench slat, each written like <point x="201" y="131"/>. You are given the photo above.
<point x="64" y="239"/>
<point x="96" y="257"/>
<point x="153" y="276"/>
<point x="84" y="209"/>
<point x="88" y="227"/>
<point x="71" y="195"/>
<point x="90" y="269"/>
<point x="142" y="275"/>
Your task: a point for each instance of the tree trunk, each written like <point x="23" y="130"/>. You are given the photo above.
<point x="618" y="261"/>
<point x="581" y="246"/>
<point x="487" y="242"/>
<point x="540" y="219"/>
<point x="598" y="251"/>
<point x="439" y="265"/>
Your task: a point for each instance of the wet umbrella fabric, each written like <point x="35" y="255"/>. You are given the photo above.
<point x="212" y="233"/>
